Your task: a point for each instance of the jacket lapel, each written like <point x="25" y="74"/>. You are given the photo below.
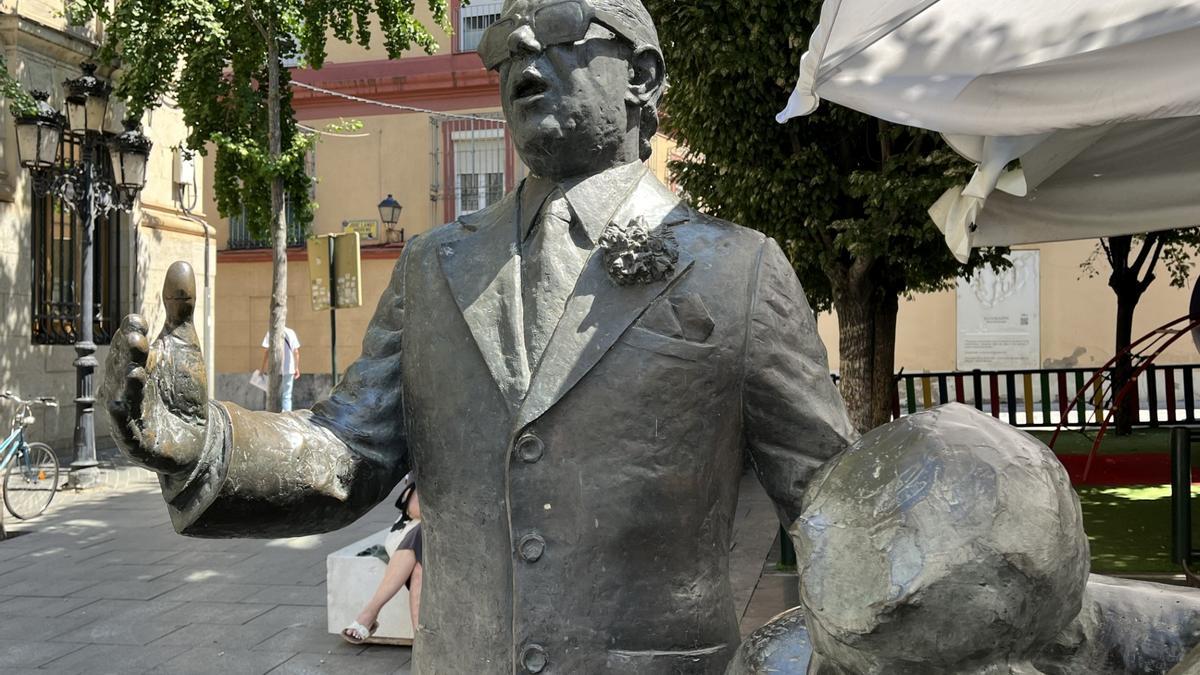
<point x="483" y="271"/>
<point x="599" y="310"/>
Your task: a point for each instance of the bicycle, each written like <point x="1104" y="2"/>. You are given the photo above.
<point x="31" y="479"/>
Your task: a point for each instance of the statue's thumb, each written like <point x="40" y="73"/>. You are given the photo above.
<point x="179" y="294"/>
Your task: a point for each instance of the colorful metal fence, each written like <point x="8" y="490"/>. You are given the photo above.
<point x="1043" y="397"/>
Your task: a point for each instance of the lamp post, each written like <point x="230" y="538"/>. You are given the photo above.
<point x="82" y="187"/>
<point x="389" y="214"/>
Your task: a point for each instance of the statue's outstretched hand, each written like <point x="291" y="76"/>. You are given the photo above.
<point x="156" y="394"/>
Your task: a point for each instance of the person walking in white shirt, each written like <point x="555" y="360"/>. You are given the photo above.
<point x="291" y="364"/>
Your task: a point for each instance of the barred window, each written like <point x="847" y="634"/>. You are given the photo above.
<point x="239" y="229"/>
<point x="479" y="162"/>
<point x="57" y="263"/>
<point x="474" y="19"/>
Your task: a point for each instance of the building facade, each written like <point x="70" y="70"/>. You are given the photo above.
<point x="40" y="262"/>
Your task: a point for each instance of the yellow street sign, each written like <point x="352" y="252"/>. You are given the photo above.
<point x="367" y="229"/>
<point x="343" y="276"/>
<point x="318" y="272"/>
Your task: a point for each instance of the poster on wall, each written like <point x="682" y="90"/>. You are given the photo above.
<point x="999" y="327"/>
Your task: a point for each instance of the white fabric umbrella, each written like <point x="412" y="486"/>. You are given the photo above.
<point x="1097" y="99"/>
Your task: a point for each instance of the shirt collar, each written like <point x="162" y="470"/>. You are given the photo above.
<point x="594" y="199"/>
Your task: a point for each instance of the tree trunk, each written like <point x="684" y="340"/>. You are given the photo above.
<point x="1127" y="412"/>
<point x="278" y="230"/>
<point x="1129" y="282"/>
<point x="867" y="346"/>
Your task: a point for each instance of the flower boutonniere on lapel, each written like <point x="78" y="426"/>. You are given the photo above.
<point x="635" y="254"/>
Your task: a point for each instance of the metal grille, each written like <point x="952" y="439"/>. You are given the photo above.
<point x="58" y="264"/>
<point x="474" y="19"/>
<point x="240" y="238"/>
<point x="474" y="163"/>
<point x="239" y="231"/>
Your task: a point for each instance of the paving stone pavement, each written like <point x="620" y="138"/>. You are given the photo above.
<point x="103" y="584"/>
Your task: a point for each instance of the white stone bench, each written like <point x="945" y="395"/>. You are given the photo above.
<point x="351" y="580"/>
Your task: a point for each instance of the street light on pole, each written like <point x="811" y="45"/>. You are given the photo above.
<point x="389" y="214"/>
<point x="79" y="184"/>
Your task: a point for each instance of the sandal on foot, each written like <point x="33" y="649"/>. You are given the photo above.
<point x="356" y="633"/>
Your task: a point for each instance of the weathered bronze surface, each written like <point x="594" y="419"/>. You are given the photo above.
<point x="950" y="542"/>
<point x="578" y="504"/>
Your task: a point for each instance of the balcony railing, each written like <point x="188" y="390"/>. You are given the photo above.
<point x="240" y="238"/>
<point x="473" y="20"/>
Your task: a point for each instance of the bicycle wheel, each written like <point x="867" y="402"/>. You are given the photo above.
<point x="31" y="481"/>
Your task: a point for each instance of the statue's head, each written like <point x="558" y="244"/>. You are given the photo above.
<point x="580" y="81"/>
<point x="944" y="543"/>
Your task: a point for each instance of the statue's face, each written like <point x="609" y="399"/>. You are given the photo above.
<point x="564" y="86"/>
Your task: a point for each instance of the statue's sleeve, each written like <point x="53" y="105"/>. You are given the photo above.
<point x="795" y="419"/>
<point x="289" y="474"/>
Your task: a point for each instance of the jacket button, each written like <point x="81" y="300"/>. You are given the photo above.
<point x="530" y="448"/>
<point x="534" y="659"/>
<point x="531" y="547"/>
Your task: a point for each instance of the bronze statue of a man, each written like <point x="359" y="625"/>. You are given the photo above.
<point x="575" y="373"/>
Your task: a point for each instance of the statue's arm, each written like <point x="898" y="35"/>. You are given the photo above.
<point x="227" y="471"/>
<point x="795" y="419"/>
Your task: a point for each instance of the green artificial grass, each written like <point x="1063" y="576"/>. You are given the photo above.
<point x="1129" y="528"/>
<point x="1080" y="443"/>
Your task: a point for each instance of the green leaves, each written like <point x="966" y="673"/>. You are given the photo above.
<point x="19" y="101"/>
<point x="844" y="193"/>
<point x="211" y="57"/>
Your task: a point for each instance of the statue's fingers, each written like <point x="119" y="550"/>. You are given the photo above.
<point x="137" y="347"/>
<point x="122" y="392"/>
<point x="135" y="323"/>
<point x="179" y="293"/>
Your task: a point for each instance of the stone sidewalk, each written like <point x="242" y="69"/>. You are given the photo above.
<point x="102" y="584"/>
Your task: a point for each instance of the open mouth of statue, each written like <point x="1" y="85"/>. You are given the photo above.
<point x="529" y="87"/>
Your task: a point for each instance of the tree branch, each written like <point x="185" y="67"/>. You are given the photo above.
<point x="254" y="19"/>
<point x="1107" y="252"/>
<point x="1149" y="278"/>
<point x="1149" y="242"/>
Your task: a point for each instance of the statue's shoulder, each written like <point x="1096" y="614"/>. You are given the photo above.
<point x="705" y="234"/>
<point x="429" y="242"/>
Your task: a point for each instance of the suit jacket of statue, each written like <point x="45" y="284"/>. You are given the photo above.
<point x="577" y="518"/>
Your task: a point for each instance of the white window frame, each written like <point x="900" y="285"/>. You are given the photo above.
<point x="481" y="136"/>
<point x="468" y="41"/>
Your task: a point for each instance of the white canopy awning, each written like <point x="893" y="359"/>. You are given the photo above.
<point x="1097" y="99"/>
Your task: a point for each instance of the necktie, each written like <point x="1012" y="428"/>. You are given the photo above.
<point x="550" y="267"/>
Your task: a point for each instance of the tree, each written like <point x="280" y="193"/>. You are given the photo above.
<point x="223" y="62"/>
<point x="845" y="194"/>
<point x="1129" y="279"/>
<point x="19" y="101"/>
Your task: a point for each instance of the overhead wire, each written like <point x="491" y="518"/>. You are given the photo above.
<point x="393" y="106"/>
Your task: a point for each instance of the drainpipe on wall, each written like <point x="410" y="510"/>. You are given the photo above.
<point x="206" y="334"/>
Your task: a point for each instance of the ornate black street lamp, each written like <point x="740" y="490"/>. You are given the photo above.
<point x="82" y="185"/>
<point x="389" y="213"/>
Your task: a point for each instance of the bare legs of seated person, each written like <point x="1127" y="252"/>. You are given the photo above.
<point x="403" y="569"/>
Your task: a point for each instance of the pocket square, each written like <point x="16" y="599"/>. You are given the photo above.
<point x="660" y="318"/>
<point x="693" y="318"/>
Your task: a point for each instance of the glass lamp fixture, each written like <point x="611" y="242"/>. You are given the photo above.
<point x="87" y="101"/>
<point x="389" y="210"/>
<point x="39" y="133"/>
<point x="130" y="154"/>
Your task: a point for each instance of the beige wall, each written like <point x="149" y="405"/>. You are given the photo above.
<point x="1078" y="318"/>
<point x="243" y="310"/>
<point x="340" y="52"/>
